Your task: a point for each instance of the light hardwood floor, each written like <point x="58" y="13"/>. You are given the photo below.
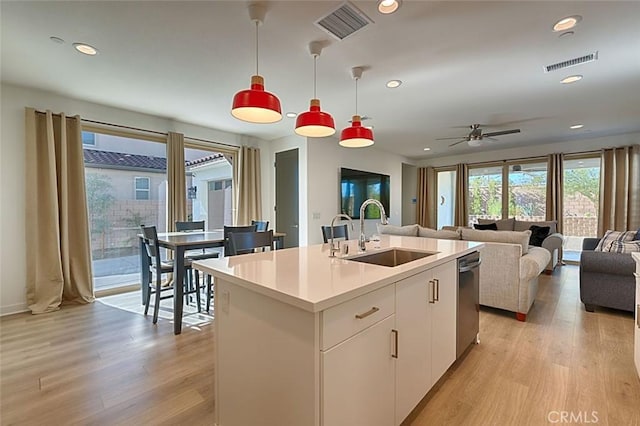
<point x="96" y="364"/>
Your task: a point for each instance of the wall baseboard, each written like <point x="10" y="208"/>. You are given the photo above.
<point x="13" y="309"/>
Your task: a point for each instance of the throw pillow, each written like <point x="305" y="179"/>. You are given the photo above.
<point x="503" y="224"/>
<point x="486" y="227"/>
<point x="538" y="234"/>
<point x="637" y="237"/>
<point x="624" y="247"/>
<point x="612" y="236"/>
<point x="407" y="230"/>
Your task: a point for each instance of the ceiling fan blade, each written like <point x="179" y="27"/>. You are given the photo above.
<point x="446" y="139"/>
<point x="456" y="143"/>
<point x="503" y="132"/>
<point x="491" y="139"/>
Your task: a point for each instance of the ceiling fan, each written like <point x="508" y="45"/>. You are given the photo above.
<point x="477" y="135"/>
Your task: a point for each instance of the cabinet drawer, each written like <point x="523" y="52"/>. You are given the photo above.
<point x="343" y="321"/>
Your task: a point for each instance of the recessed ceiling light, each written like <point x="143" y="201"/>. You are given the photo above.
<point x="392" y="84"/>
<point x="292" y="114"/>
<point x="427" y="149"/>
<point x="86" y="49"/>
<point x="571" y="79"/>
<point x="388" y="6"/>
<point x="576" y="126"/>
<point x="56" y="40"/>
<point x="567" y="23"/>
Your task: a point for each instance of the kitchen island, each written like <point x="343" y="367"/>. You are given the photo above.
<point x="305" y="339"/>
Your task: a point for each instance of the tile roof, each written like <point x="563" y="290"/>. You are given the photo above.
<point x="97" y="157"/>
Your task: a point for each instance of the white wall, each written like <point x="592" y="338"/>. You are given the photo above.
<point x="13" y="259"/>
<point x="582" y="145"/>
<point x="325" y="158"/>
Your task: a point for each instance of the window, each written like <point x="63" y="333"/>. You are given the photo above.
<point x="528" y="191"/>
<point x="581" y="198"/>
<point x="209" y="174"/>
<point x="446" y="181"/>
<point x="88" y="138"/>
<point x="142" y="187"/>
<point x="485" y="193"/>
<point x="525" y="195"/>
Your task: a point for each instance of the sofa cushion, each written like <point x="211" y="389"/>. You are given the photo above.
<point x="521" y="225"/>
<point x="624" y="247"/>
<point x="406" y="231"/>
<point x="503" y="225"/>
<point x="612" y="236"/>
<point x="442" y="234"/>
<point x="538" y="234"/>
<point x="512" y="237"/>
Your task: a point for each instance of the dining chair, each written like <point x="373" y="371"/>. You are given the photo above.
<point x="157" y="268"/>
<point x="339" y="231"/>
<point x="248" y="242"/>
<point x="235" y="229"/>
<point x="200" y="254"/>
<point x="261" y="225"/>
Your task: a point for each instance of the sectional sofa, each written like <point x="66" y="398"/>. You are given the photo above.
<point x="510" y="267"/>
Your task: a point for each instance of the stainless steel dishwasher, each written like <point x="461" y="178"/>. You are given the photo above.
<point x="468" y="302"/>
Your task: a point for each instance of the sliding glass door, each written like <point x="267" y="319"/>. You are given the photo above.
<point x="581" y="184"/>
<point x="126" y="186"/>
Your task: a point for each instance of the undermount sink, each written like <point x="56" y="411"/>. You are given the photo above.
<point x="391" y="257"/>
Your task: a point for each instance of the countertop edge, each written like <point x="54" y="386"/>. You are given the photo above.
<point x="331" y="301"/>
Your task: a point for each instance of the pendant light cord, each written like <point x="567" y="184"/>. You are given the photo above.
<point x="315" y="61"/>
<point x="257" y="49"/>
<point x="356" y="96"/>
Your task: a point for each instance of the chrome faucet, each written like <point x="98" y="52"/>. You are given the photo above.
<point x="335" y="248"/>
<point x="383" y="220"/>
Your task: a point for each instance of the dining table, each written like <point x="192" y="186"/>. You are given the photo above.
<point x="180" y="243"/>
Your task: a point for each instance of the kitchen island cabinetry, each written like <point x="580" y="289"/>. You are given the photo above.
<point x="331" y="341"/>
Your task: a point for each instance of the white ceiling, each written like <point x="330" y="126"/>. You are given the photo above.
<point x="461" y="63"/>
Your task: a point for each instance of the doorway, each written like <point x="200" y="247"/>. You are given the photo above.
<point x="287" y="198"/>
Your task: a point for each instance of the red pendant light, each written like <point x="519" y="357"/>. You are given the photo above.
<point x="256" y="105"/>
<point x="356" y="136"/>
<point x="315" y="123"/>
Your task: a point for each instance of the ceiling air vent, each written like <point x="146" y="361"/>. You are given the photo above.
<point x="344" y="21"/>
<point x="572" y="62"/>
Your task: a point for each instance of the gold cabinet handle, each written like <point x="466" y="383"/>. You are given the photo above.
<point x="369" y="312"/>
<point x="638" y="315"/>
<point x="395" y="345"/>
<point x="437" y="292"/>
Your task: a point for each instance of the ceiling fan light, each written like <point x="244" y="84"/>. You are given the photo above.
<point x="315" y="123"/>
<point x="356" y="136"/>
<point x="256" y="105"/>
<point x="475" y="142"/>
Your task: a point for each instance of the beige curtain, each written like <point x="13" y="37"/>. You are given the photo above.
<point x="554" y="188"/>
<point x="461" y="216"/>
<point x="176" y="202"/>
<point x="248" y="186"/>
<point x="426" y="202"/>
<point x="58" y="243"/>
<point x="619" y="189"/>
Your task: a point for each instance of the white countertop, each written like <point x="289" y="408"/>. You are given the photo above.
<point x="636" y="256"/>
<point x="308" y="278"/>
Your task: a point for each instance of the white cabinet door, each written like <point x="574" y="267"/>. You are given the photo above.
<point x="358" y="378"/>
<point x="443" y="320"/>
<point x="413" y="366"/>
